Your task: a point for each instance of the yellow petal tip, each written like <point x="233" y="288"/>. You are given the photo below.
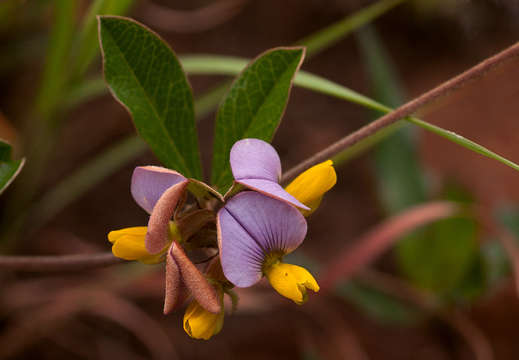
<point x="291" y="281"/>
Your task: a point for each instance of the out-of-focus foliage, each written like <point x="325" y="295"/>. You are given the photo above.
<point x="9" y="168"/>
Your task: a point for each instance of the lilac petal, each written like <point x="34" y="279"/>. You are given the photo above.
<point x="150" y="182"/>
<point x="255" y="159"/>
<point x="157" y="236"/>
<point x="251" y="226"/>
<point x="272" y="189"/>
<point x="256" y="165"/>
<point x="203" y="292"/>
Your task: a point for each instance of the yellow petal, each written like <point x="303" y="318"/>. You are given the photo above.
<point x="202" y="324"/>
<point x="128" y="244"/>
<point x="291" y="281"/>
<point x="310" y="186"/>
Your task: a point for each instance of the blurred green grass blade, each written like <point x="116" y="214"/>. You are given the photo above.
<point x="145" y="75"/>
<point x="88" y="42"/>
<point x="330" y="35"/>
<point x="230" y="65"/>
<point x="378" y="305"/>
<point x="54" y="74"/>
<point x="81" y="180"/>
<point x="398" y="172"/>
<point x="253" y="106"/>
<point x="9" y="168"/>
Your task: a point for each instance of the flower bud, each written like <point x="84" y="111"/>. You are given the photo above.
<point x="128" y="244"/>
<point x="202" y="324"/>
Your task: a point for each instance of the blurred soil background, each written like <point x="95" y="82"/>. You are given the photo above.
<point x="429" y="43"/>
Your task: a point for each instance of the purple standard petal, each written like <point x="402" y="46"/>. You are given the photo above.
<point x="255" y="159"/>
<point x="150" y="182"/>
<point x="157" y="236"/>
<point x="256" y="165"/>
<point x="272" y="189"/>
<point x="250" y="227"/>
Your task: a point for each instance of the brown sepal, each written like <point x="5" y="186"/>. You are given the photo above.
<point x="203" y="292"/>
<point x="157" y="236"/>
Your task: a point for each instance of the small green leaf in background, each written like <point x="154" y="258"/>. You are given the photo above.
<point x="378" y="305"/>
<point x="440" y="256"/>
<point x="254" y="106"/>
<point x="9" y="169"/>
<point x="508" y="216"/>
<point x="146" y="77"/>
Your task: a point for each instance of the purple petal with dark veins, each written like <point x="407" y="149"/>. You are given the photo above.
<point x="251" y="226"/>
<point x="150" y="182"/>
<point x="255" y="159"/>
<point x="272" y="189"/>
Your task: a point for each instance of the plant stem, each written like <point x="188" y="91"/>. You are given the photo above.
<point x="57" y="263"/>
<point x="412" y="106"/>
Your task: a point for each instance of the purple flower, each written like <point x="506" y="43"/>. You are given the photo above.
<point x="254" y="233"/>
<point x="255" y="164"/>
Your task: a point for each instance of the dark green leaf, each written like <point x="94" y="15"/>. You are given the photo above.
<point x="440" y="256"/>
<point x="145" y="76"/>
<point x="254" y="106"/>
<point x="9" y="169"/>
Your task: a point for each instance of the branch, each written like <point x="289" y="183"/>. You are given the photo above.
<point x="405" y="110"/>
<point x="57" y="263"/>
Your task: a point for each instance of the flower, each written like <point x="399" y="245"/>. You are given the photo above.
<point x="200" y="323"/>
<point x="128" y="244"/>
<point x="254" y="230"/>
<point x="254" y="233"/>
<point x="255" y="164"/>
<point x="158" y="191"/>
<point x="310" y="186"/>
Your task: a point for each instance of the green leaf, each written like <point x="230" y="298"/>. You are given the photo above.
<point x="145" y="76"/>
<point x="254" y="106"/>
<point x="440" y="256"/>
<point x="9" y="169"/>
